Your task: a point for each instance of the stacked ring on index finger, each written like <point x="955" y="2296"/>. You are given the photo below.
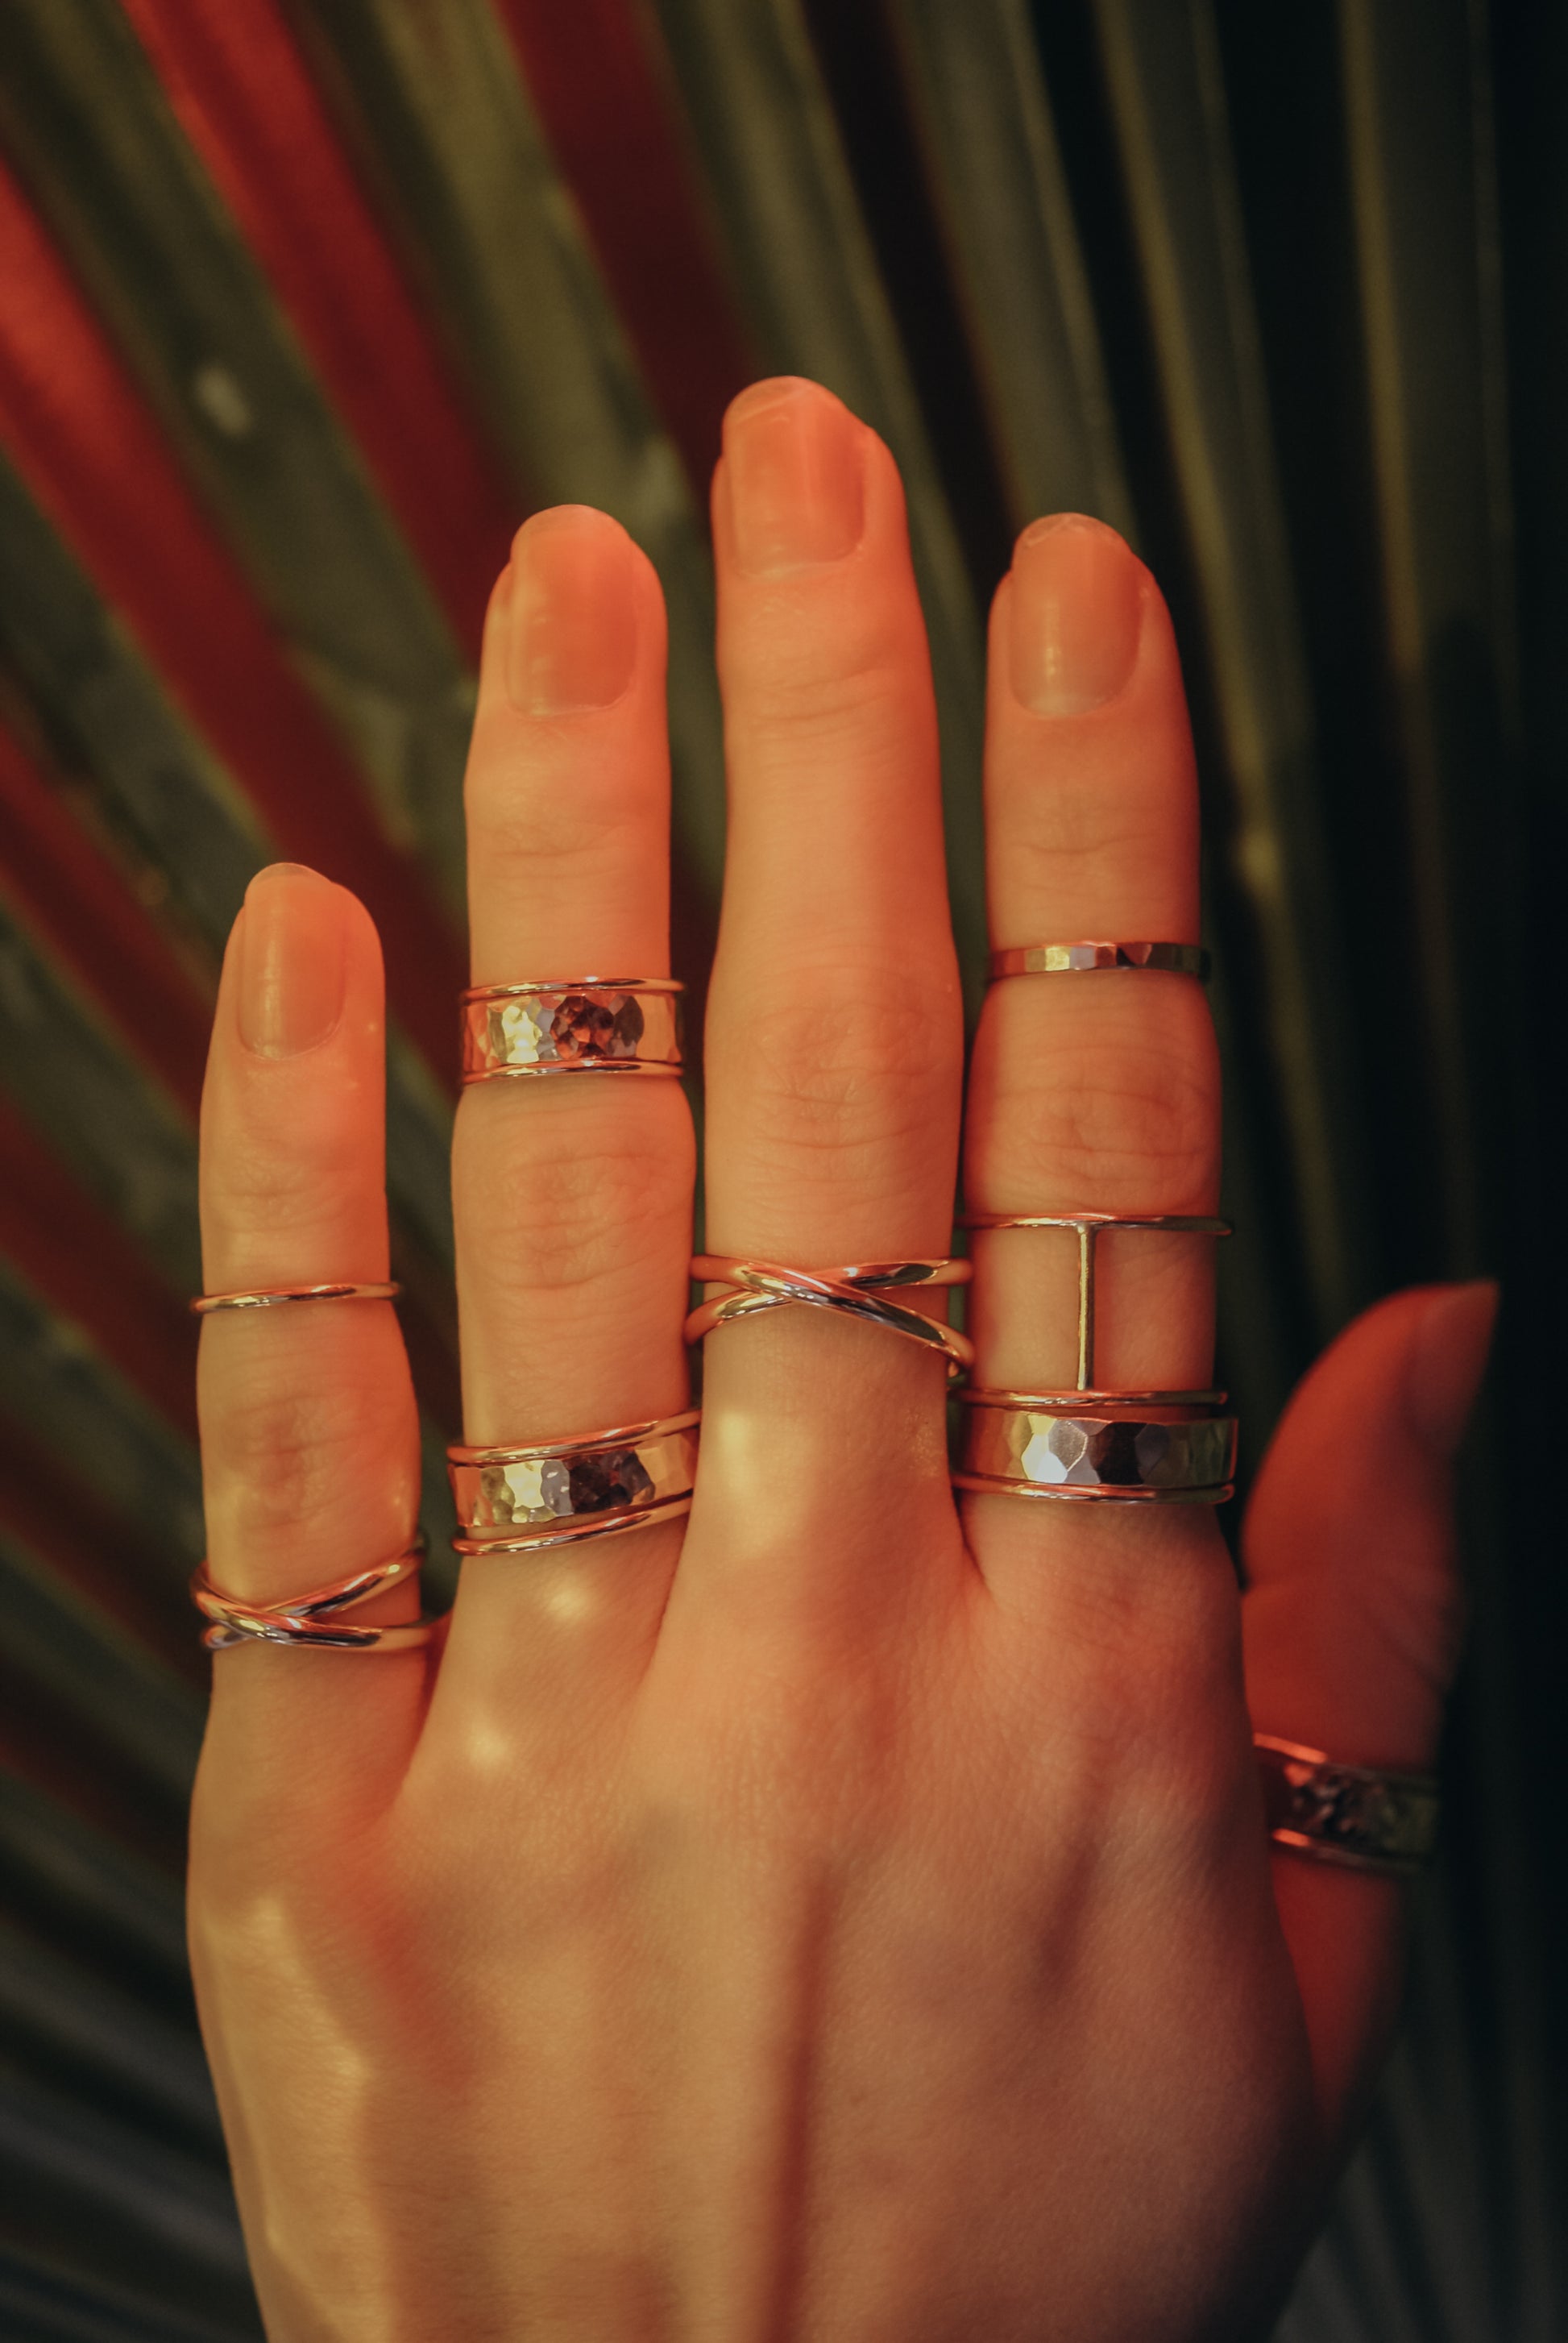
<point x="1085" y="1443"/>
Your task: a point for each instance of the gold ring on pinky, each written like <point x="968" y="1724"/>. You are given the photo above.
<point x="1356" y="1816"/>
<point x="268" y="1297"/>
<point x="1023" y="1445"/>
<point x="758" y="1285"/>
<point x="1072" y="960"/>
<point x="524" y="1499"/>
<point x="577" y="1025"/>
<point x="314" y="1622"/>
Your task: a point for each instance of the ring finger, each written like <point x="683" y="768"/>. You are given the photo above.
<point x="1093" y="1090"/>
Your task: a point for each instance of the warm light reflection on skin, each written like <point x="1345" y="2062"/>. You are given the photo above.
<point x="346" y="2268"/>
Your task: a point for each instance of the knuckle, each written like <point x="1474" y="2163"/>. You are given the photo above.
<point x="1108" y="1130"/>
<point x="847" y="1065"/>
<point x="524" y="818"/>
<point x="560" y="1218"/>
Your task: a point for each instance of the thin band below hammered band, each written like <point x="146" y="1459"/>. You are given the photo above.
<point x="1072" y="960"/>
<point x="311" y="1622"/>
<point x="587" y="1025"/>
<point x="1011" y="1446"/>
<point x="1356" y="1815"/>
<point x="523" y="1499"/>
<point x="268" y="1297"/>
<point x="757" y="1285"/>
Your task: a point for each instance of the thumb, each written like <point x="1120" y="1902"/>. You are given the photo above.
<point x="1352" y="1625"/>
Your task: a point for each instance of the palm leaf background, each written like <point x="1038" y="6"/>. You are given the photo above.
<point x="304" y="305"/>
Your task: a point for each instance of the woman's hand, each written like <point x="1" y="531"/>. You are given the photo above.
<point x="842" y="1914"/>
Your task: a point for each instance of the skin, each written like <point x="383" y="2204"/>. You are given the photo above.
<point x="843" y="1915"/>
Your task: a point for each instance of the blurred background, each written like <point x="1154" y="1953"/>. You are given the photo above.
<point x="304" y="305"/>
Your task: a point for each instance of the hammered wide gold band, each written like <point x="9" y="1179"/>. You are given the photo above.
<point x="858" y="1290"/>
<point x="580" y="1025"/>
<point x="1015" y="1444"/>
<point x="314" y="1622"/>
<point x="1354" y="1815"/>
<point x="525" y="1499"/>
<point x="1072" y="960"/>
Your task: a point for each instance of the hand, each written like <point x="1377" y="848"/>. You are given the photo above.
<point x="842" y="1914"/>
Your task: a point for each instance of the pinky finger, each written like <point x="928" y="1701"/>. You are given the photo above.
<point x="1352" y="1628"/>
<point x="309" y="1430"/>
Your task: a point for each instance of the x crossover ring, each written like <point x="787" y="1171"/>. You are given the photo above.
<point x="314" y="1622"/>
<point x="525" y="1499"/>
<point x="268" y="1297"/>
<point x="578" y="1025"/>
<point x="1349" y="1815"/>
<point x="1069" y="959"/>
<point x="757" y="1285"/>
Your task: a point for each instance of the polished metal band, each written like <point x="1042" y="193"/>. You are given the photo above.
<point x="758" y="1285"/>
<point x="523" y="1499"/>
<point x="268" y="1297"/>
<point x="1070" y="960"/>
<point x="1354" y="1815"/>
<point x="313" y="1621"/>
<point x="592" y="1024"/>
<point x="1089" y="1227"/>
<point x="1023" y="1445"/>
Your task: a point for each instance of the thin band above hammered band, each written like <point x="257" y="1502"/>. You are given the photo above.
<point x="1356" y="1815"/>
<point x="591" y="1024"/>
<point x="268" y="1297"/>
<point x="855" y="1290"/>
<point x="313" y="1621"/>
<point x="1072" y="960"/>
<point x="524" y="1499"/>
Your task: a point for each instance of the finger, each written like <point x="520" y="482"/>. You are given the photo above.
<point x="1352" y="1625"/>
<point x="1097" y="1090"/>
<point x="833" y="1045"/>
<point x="572" y="1196"/>
<point x="310" y="1449"/>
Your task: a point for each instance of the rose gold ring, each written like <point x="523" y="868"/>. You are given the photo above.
<point x="1070" y="960"/>
<point x="579" y="1025"/>
<point x="757" y="1285"/>
<point x="311" y="1622"/>
<point x="521" y="1498"/>
<point x="1170" y="1455"/>
<point x="268" y="1297"/>
<point x="1089" y="1227"/>
<point x="1356" y="1816"/>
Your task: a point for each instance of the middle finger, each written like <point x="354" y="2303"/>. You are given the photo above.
<point x="834" y="1045"/>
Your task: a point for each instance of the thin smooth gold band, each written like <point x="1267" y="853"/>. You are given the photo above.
<point x="1072" y="959"/>
<point x="313" y="1620"/>
<point x="268" y="1297"/>
<point x="586" y="1025"/>
<point x="1356" y="1815"/>
<point x="523" y="1497"/>
<point x="758" y="1285"/>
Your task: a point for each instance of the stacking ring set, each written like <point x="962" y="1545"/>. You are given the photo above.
<point x="1079" y="1445"/>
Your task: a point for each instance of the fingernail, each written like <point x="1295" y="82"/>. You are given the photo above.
<point x="793" y="478"/>
<point x="1076" y="613"/>
<point x="291" y="961"/>
<point x="571" y="613"/>
<point x="1446" y="1361"/>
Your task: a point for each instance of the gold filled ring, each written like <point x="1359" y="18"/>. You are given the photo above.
<point x="313" y="1620"/>
<point x="758" y="1285"/>
<point x="577" y="1025"/>
<point x="1356" y="1816"/>
<point x="268" y="1297"/>
<point x="521" y="1498"/>
<point x="1072" y="960"/>
<point x="1162" y="1457"/>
